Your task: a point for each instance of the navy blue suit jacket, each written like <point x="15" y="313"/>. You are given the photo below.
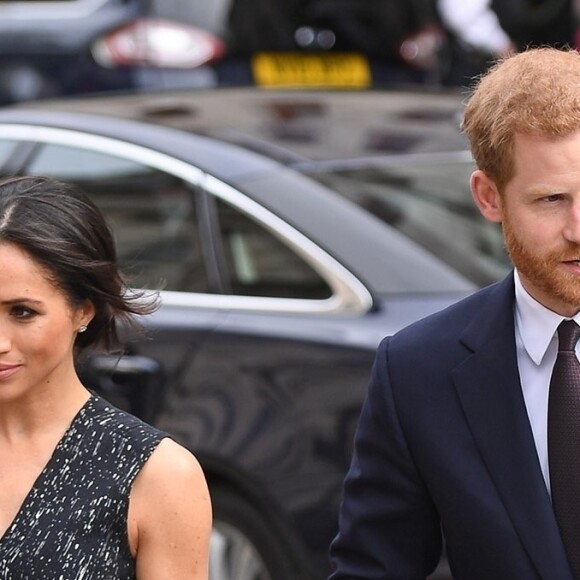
<point x="444" y="442"/>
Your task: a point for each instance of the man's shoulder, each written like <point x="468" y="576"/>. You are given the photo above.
<point x="480" y="310"/>
<point x="422" y="354"/>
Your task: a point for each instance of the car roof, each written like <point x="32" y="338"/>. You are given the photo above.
<point x="294" y="125"/>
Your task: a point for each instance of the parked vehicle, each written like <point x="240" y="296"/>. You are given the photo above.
<point x="55" y="47"/>
<point x="289" y="232"/>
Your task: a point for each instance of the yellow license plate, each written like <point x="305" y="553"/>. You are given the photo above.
<point x="311" y="70"/>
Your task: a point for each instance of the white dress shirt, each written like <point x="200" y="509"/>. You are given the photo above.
<point x="537" y="348"/>
<point x="475" y="23"/>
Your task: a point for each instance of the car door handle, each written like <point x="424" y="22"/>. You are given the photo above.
<point x="132" y="382"/>
<point x="126" y="365"/>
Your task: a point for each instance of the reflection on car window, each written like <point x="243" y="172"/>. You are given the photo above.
<point x="74" y="163"/>
<point x="6" y="148"/>
<point x="431" y="204"/>
<point x="152" y="215"/>
<point x="259" y="264"/>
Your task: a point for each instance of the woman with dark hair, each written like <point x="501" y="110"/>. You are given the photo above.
<point x="86" y="490"/>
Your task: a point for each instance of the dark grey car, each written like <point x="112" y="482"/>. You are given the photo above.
<point x="289" y="231"/>
<point x="60" y="47"/>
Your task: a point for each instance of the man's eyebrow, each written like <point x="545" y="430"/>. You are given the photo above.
<point x="546" y="189"/>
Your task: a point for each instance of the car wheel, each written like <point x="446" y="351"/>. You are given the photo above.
<point x="243" y="545"/>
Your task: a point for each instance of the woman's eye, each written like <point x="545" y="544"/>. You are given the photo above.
<point x="22" y="312"/>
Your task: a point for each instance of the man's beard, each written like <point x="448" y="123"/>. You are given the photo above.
<point x="544" y="270"/>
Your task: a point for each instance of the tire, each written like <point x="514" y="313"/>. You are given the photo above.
<point x="244" y="546"/>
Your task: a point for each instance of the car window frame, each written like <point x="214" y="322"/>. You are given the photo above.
<point x="218" y="245"/>
<point x="349" y="294"/>
<point x="50" y="10"/>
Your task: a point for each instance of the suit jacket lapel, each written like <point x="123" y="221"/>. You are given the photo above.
<point x="489" y="388"/>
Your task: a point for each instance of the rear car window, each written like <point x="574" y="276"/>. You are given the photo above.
<point x="258" y="264"/>
<point x="429" y="202"/>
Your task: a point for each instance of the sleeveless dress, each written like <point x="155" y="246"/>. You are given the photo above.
<point x="73" y="523"/>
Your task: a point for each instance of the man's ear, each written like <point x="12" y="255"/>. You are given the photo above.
<point x="486" y="196"/>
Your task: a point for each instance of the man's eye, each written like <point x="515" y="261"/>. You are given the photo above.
<point x="554" y="197"/>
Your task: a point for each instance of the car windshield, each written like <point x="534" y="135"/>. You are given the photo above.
<point x="428" y="200"/>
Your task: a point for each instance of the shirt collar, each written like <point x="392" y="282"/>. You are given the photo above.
<point x="536" y="324"/>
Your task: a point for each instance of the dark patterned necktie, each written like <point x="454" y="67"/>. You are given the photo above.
<point x="564" y="441"/>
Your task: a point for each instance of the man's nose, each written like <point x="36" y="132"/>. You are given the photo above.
<point x="572" y="229"/>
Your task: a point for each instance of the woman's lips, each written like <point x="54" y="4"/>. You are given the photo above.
<point x="6" y="371"/>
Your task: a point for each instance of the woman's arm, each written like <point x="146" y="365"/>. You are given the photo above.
<point x="170" y="516"/>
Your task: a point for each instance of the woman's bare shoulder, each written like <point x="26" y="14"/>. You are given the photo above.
<point x="171" y="461"/>
<point x="170" y="515"/>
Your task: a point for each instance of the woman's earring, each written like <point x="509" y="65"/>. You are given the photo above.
<point x="82" y="328"/>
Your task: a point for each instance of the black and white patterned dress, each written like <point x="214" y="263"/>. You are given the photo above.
<point x="73" y="523"/>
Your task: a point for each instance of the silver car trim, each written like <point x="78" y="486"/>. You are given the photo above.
<point x="50" y="10"/>
<point x="432" y="158"/>
<point x="350" y="296"/>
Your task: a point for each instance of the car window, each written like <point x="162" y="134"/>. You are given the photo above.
<point x="152" y="214"/>
<point x="430" y="202"/>
<point x="259" y="264"/>
<point x="6" y="148"/>
<point x="23" y="4"/>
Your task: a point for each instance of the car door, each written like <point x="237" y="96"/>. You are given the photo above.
<point x="237" y="364"/>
